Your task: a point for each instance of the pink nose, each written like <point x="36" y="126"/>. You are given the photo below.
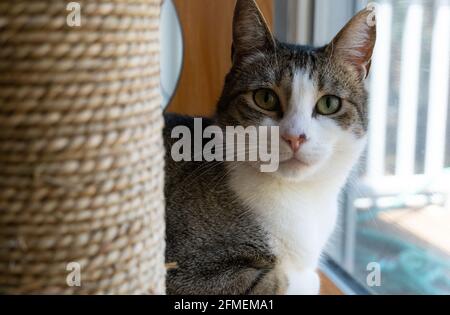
<point x="295" y="141"/>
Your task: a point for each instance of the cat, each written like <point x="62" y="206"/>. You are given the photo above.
<point x="232" y="229"/>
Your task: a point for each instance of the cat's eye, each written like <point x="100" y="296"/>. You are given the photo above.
<point x="266" y="99"/>
<point x="328" y="105"/>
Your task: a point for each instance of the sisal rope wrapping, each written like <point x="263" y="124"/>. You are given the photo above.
<point x="81" y="153"/>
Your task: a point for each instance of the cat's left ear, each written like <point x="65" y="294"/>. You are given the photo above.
<point x="355" y="42"/>
<point x="250" y="30"/>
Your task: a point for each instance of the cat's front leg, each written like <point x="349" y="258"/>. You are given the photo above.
<point x="292" y="282"/>
<point x="272" y="282"/>
<point x="303" y="282"/>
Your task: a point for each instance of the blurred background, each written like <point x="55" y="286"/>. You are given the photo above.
<point x="395" y="210"/>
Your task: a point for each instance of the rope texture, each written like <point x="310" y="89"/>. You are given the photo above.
<point x="81" y="152"/>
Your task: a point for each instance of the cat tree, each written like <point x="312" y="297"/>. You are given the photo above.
<point x="81" y="154"/>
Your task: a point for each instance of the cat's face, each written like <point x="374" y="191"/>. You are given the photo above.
<point x="316" y="96"/>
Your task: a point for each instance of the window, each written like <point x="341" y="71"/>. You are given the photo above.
<point x="396" y="211"/>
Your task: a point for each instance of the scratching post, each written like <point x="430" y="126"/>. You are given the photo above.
<point x="81" y="154"/>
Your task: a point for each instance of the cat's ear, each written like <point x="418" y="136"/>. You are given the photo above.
<point x="250" y="30"/>
<point x="355" y="42"/>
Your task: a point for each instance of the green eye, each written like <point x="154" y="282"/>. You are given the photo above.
<point x="266" y="99"/>
<point x="328" y="105"/>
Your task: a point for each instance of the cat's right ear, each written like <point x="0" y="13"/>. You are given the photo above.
<point x="250" y="30"/>
<point x="355" y="43"/>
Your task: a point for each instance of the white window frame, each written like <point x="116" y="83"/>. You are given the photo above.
<point x="312" y="22"/>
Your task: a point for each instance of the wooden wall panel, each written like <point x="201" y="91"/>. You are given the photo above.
<point x="207" y="27"/>
<point x="327" y="287"/>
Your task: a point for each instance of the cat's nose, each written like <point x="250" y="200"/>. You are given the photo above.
<point x="295" y="141"/>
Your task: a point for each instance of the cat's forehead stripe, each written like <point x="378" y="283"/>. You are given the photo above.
<point x="304" y="91"/>
<point x="301" y="86"/>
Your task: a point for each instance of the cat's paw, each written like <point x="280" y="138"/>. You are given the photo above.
<point x="303" y="282"/>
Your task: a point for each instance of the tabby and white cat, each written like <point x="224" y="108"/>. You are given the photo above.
<point x="234" y="230"/>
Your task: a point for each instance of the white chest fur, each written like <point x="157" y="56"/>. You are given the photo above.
<point x="299" y="221"/>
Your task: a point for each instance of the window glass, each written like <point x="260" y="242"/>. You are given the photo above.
<point x="396" y="212"/>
